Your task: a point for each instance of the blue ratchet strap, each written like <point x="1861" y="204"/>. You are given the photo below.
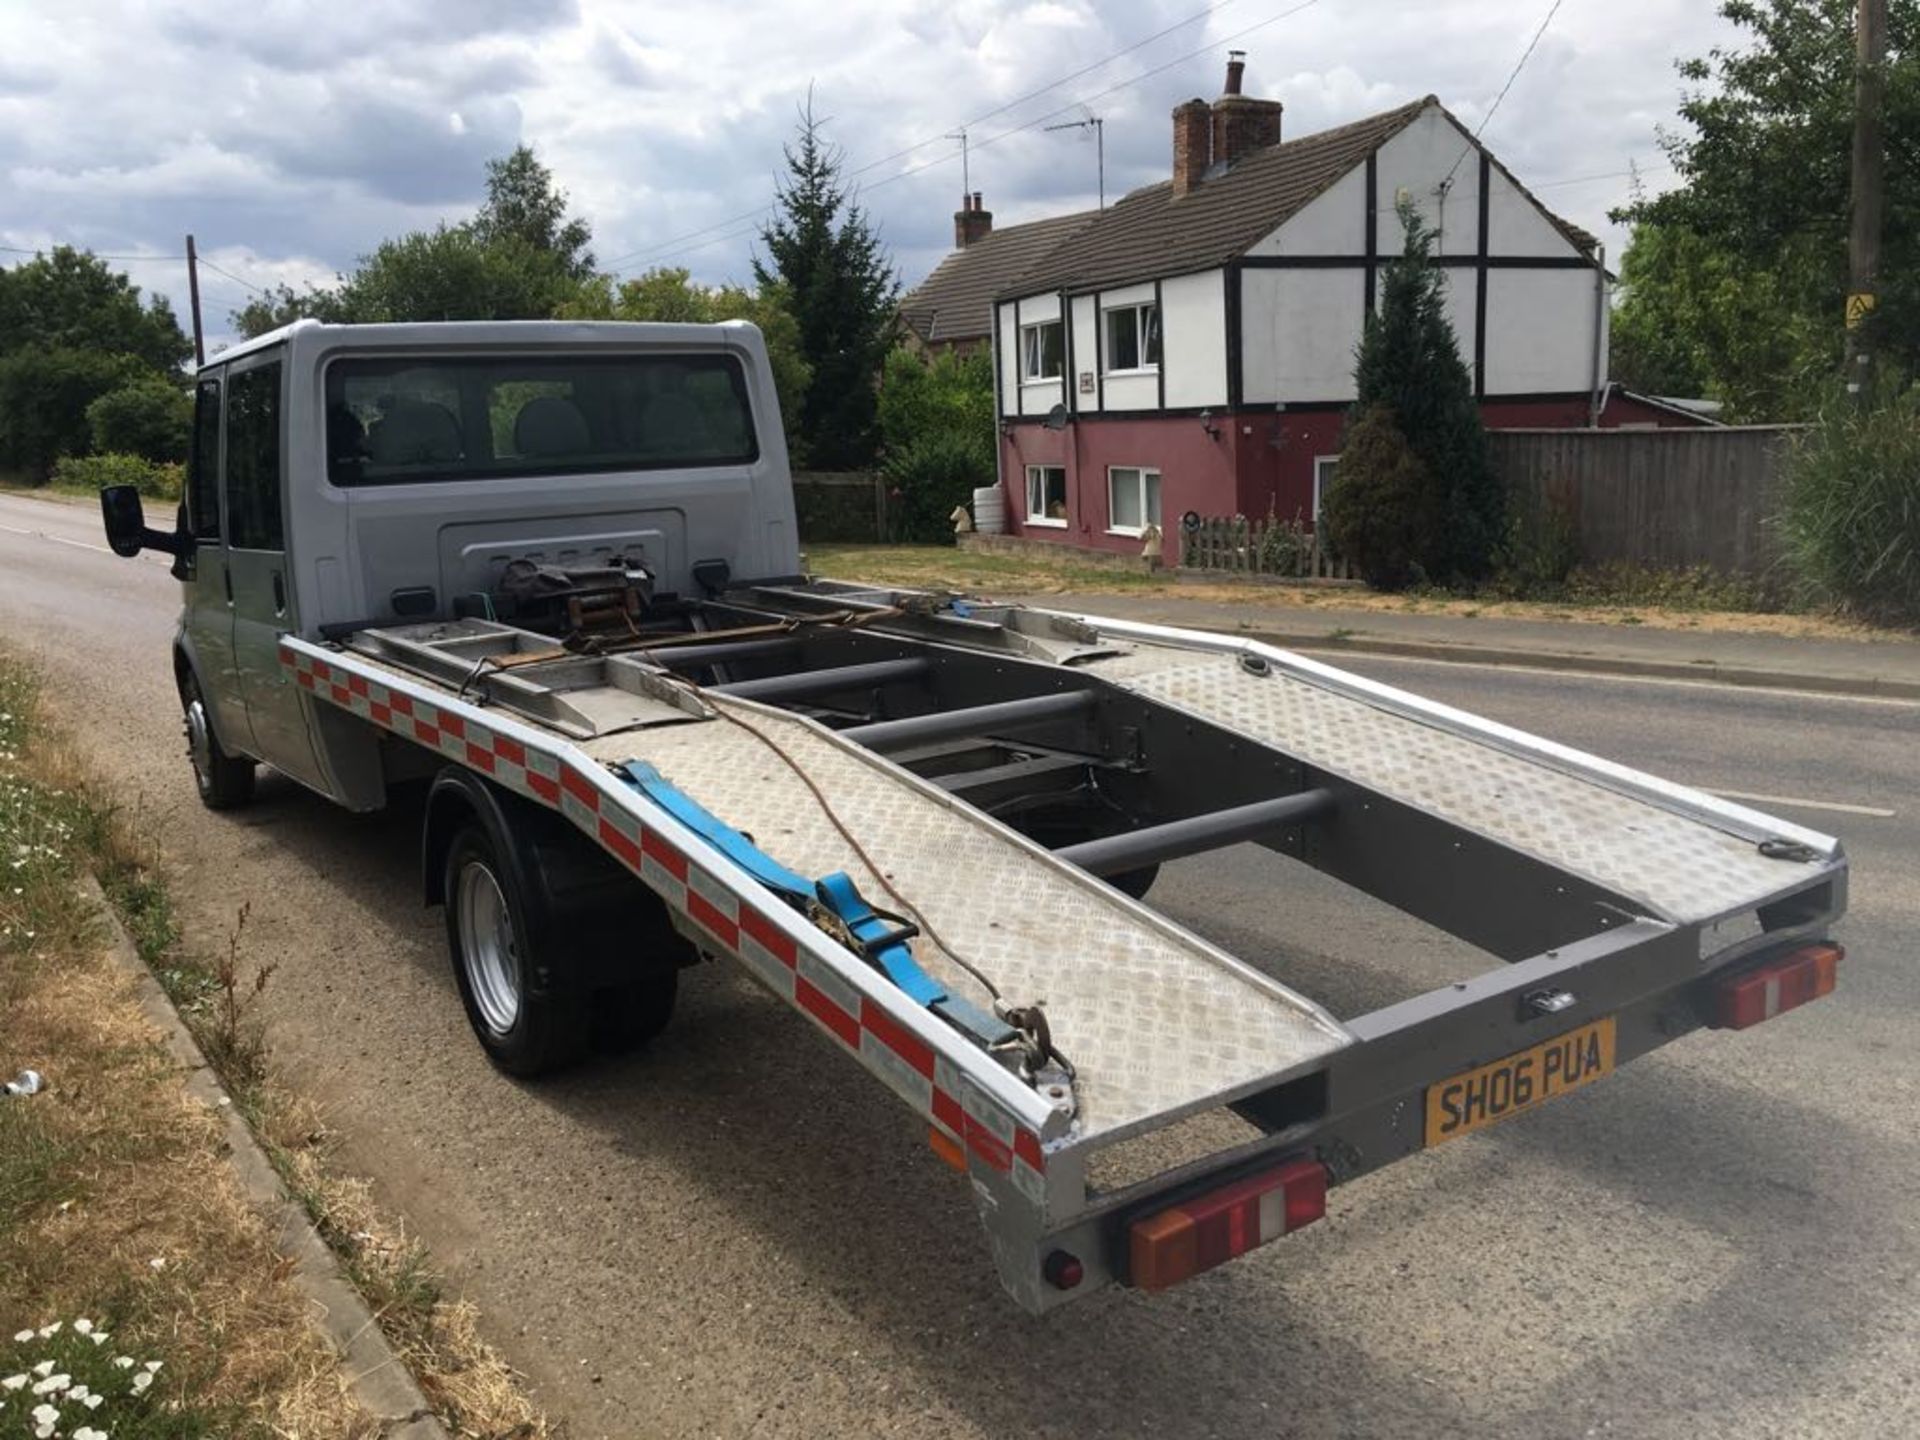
<point x="882" y="939"/>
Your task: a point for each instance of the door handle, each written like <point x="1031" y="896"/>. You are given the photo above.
<point x="279" y="594"/>
<point x="226" y="579"/>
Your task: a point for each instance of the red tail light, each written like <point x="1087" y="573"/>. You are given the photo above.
<point x="1776" y="986"/>
<point x="1208" y="1230"/>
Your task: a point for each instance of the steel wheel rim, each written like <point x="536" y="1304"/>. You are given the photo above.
<point x="199" y="741"/>
<point x="488" y="954"/>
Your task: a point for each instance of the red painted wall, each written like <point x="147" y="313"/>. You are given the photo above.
<point x="1257" y="463"/>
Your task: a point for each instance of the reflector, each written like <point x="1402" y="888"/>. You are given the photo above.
<point x="1208" y="1230"/>
<point x="1776" y="986"/>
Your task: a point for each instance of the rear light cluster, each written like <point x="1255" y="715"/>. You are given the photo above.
<point x="1178" y="1243"/>
<point x="1776" y="986"/>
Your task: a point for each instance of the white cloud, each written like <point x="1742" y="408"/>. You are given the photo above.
<point x="292" y="135"/>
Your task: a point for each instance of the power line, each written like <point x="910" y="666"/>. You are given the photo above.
<point x="42" y="249"/>
<point x="1519" y="65"/>
<point x="247" y="284"/>
<point x="674" y="243"/>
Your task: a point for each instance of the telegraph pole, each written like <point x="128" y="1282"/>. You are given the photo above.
<point x="1869" y="161"/>
<point x="193" y="297"/>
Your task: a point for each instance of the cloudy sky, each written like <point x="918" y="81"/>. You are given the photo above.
<point x="291" y="136"/>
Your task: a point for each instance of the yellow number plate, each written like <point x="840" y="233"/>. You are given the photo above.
<point x="1477" y="1098"/>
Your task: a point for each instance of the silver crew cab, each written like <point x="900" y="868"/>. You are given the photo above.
<point x="551" y="570"/>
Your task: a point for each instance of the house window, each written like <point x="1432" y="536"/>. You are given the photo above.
<point x="1046" y="495"/>
<point x="1133" y="338"/>
<point x="1323" y="468"/>
<point x="1133" y="499"/>
<point x="1042" y="351"/>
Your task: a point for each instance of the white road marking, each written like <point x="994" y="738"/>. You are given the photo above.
<point x="1835" y="805"/>
<point x="56" y="539"/>
<point x="1335" y="653"/>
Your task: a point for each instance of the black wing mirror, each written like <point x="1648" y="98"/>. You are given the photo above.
<point x="126" y="523"/>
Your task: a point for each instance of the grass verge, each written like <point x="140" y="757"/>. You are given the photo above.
<point x="47" y="806"/>
<point x="119" y="1215"/>
<point x="1617" y="595"/>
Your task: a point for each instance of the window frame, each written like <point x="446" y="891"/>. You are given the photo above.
<point x="547" y="467"/>
<point x="1140" y="474"/>
<point x="203" y="472"/>
<point x="1037" y="515"/>
<point x="1141" y="333"/>
<point x="1032" y="329"/>
<point x="274" y="361"/>
<point x="1322" y="465"/>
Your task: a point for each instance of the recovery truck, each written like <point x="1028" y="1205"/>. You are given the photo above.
<point x="551" y="570"/>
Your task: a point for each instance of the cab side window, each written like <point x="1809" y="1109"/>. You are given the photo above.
<point x="203" y="473"/>
<point x="253" y="459"/>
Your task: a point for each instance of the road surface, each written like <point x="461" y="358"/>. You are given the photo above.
<point x="736" y="1233"/>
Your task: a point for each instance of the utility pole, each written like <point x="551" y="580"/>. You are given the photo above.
<point x="1869" y="162"/>
<point x="1099" y="128"/>
<point x="193" y="297"/>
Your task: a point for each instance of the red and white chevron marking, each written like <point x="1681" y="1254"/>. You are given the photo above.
<point x="923" y="1078"/>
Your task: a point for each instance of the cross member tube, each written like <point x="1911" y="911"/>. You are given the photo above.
<point x="1131" y="849"/>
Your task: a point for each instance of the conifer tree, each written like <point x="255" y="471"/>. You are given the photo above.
<point x="1409" y="364"/>
<point x="823" y="250"/>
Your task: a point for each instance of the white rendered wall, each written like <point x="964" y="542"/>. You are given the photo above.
<point x="1193" y="339"/>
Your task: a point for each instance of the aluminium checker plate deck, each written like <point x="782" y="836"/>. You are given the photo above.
<point x="1684" y="868"/>
<point x="1155" y="1020"/>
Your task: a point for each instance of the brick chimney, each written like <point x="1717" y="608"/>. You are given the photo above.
<point x="1241" y="123"/>
<point x="1192" y="144"/>
<point x="970" y="222"/>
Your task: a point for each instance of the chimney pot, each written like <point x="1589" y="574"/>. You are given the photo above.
<point x="1236" y="67"/>
<point x="972" y="222"/>
<point x="1241" y="123"/>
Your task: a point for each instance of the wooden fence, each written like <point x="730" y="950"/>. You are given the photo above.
<point x="1666" y="499"/>
<point x="1283" y="549"/>
<point x="850" y="507"/>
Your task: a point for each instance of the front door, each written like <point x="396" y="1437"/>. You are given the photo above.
<point x="207" y="598"/>
<point x="257" y="569"/>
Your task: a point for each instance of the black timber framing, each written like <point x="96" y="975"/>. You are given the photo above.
<point x="1372" y="200"/>
<point x="1355" y="262"/>
<point x="1069" y="381"/>
<point x="1480" y="282"/>
<point x="1160" y="365"/>
<point x="1230" y="287"/>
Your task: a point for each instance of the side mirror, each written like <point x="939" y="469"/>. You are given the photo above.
<point x="126" y="524"/>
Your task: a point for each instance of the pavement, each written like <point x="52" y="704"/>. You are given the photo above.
<point x="1879" y="666"/>
<point x="734" y="1233"/>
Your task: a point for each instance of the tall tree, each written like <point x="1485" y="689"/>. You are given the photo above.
<point x="524" y="206"/>
<point x="519" y="258"/>
<point x="71" y="331"/>
<point x="822" y="249"/>
<point x="1763" y="167"/>
<point x="1413" y="386"/>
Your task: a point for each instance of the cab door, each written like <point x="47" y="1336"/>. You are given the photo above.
<point x="207" y="605"/>
<point x="262" y="598"/>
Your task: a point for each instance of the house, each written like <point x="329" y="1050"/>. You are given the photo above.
<point x="952" y="309"/>
<point x="1191" y="349"/>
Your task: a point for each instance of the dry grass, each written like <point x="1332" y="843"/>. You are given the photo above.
<point x="944" y="567"/>
<point x="112" y="1167"/>
<point x="471" y="1389"/>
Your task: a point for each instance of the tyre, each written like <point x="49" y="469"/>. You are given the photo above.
<point x="224" y="781"/>
<point x="524" y="1000"/>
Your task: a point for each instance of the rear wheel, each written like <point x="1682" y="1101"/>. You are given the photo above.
<point x="524" y="1008"/>
<point x="225" y="782"/>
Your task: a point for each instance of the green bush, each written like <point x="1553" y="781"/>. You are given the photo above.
<point x="932" y="475"/>
<point x="1849" y="509"/>
<point x="44" y="395"/>
<point x="157" y="480"/>
<point x="151" y="417"/>
<point x="1379" y="511"/>
<point x="950" y="393"/>
<point x="1542" y="549"/>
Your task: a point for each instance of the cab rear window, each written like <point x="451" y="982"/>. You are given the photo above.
<point x="394" y="421"/>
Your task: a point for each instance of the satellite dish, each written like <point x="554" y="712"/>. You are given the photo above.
<point x="1056" y="418"/>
